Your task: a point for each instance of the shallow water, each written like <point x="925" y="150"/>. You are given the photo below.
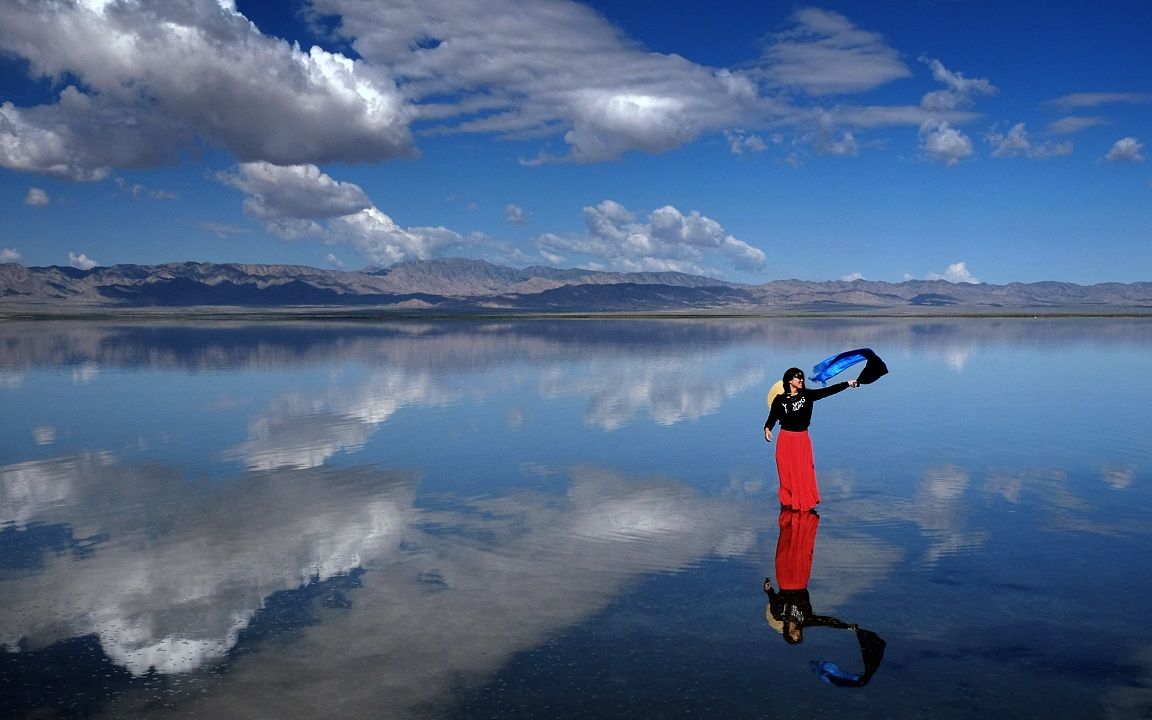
<point x="567" y="519"/>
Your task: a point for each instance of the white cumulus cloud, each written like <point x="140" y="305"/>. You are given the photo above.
<point x="295" y="191"/>
<point x="300" y="202"/>
<point x="303" y="203"/>
<point x="666" y="240"/>
<point x="1127" y="149"/>
<point x="844" y="146"/>
<point x="943" y="143"/>
<point x="515" y="214"/>
<point x="8" y="255"/>
<point x="1016" y="143"/>
<point x="378" y="239"/>
<point x="158" y="77"/>
<point x="137" y="191"/>
<point x="81" y="261"/>
<point x="740" y="142"/>
<point x="956" y="273"/>
<point x="36" y="197"/>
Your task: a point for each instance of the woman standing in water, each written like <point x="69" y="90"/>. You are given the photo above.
<point x="793" y="410"/>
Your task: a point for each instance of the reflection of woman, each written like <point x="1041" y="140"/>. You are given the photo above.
<point x="794" y="464"/>
<point x="791" y="606"/>
<point x="790" y="609"/>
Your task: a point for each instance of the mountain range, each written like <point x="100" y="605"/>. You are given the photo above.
<point x="460" y="285"/>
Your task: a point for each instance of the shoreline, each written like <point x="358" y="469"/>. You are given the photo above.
<point x="385" y="313"/>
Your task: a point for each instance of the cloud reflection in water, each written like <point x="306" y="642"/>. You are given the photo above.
<point x="449" y="591"/>
<point x="183" y="567"/>
<point x="172" y="559"/>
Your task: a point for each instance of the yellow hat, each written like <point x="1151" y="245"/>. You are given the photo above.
<point x="777" y="625"/>
<point x="777" y="389"/>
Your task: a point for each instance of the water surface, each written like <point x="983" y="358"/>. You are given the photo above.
<point x="567" y="519"/>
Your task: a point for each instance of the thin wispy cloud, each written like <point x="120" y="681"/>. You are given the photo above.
<point x="1088" y="99"/>
<point x="953" y="105"/>
<point x="960" y="92"/>
<point x="1074" y="124"/>
<point x="825" y="53"/>
<point x="541" y="69"/>
<point x="223" y="230"/>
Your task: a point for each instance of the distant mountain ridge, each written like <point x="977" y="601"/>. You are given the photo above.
<point x="461" y="284"/>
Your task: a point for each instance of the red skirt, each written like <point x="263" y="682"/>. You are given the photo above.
<point x="797" y="471"/>
<point x="794" y="548"/>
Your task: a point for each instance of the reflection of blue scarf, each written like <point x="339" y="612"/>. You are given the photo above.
<point x="871" y="652"/>
<point x="832" y="674"/>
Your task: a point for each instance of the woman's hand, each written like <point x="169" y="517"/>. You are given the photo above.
<point x="767" y="435"/>
<point x="853" y="383"/>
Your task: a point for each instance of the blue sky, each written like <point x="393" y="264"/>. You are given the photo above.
<point x="965" y="139"/>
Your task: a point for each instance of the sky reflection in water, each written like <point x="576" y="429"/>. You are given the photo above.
<point x="566" y="518"/>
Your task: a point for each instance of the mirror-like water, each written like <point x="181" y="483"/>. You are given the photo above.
<point x="571" y="519"/>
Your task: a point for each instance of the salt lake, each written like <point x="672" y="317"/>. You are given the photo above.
<point x="562" y="518"/>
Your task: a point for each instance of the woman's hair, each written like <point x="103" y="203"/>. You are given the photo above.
<point x="788" y="375"/>
<point x="793" y="632"/>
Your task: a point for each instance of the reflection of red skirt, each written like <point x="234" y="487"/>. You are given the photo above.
<point x="797" y="471"/>
<point x="794" y="548"/>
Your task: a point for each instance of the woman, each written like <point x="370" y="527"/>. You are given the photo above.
<point x="793" y="410"/>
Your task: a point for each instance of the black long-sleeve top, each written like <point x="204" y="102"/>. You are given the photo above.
<point x="794" y="412"/>
<point x="796" y="605"/>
